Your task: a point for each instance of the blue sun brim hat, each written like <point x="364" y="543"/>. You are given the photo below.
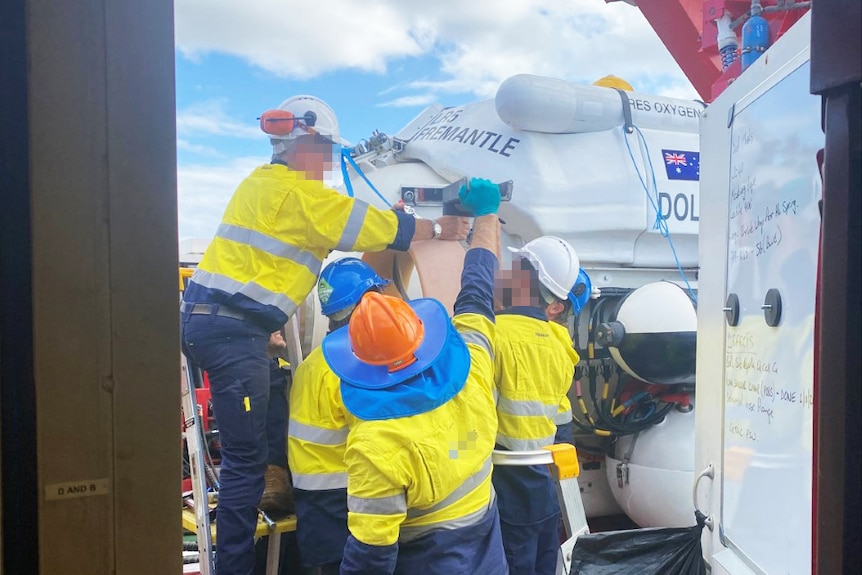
<point x="432" y="314"/>
<point x="420" y="393"/>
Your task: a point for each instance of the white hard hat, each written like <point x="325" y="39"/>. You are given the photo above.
<point x="555" y="261"/>
<point x="298" y="116"/>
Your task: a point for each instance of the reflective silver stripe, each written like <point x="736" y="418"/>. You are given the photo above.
<point x="270" y="245"/>
<point x="514" y="444"/>
<point x="469" y="485"/>
<point x="392" y="505"/>
<point x="411" y="532"/>
<point x="315" y="434"/>
<point x="563" y="417"/>
<point x="526" y="408"/>
<point x="319" y="481"/>
<point x="251" y="290"/>
<point x="478" y="339"/>
<point x="353" y="226"/>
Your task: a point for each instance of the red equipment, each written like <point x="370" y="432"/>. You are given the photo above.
<point x="688" y="29"/>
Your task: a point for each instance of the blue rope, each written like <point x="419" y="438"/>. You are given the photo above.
<point x="345" y="157"/>
<point x="660" y="223"/>
<point x="344" y="174"/>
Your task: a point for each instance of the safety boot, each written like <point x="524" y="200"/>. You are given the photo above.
<point x="277" y="499"/>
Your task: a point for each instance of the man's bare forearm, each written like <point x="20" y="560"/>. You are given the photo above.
<point x="486" y="234"/>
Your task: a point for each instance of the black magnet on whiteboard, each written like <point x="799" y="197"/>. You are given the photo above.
<point x="772" y="307"/>
<point x="731" y="309"/>
<point x="730" y="115"/>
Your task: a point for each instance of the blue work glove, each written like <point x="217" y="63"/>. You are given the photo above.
<point x="482" y="198"/>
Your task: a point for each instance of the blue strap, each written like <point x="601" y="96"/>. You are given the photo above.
<point x="345" y="152"/>
<point x="345" y="156"/>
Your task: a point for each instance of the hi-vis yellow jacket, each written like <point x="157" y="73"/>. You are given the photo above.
<point x="275" y="232"/>
<point x="317" y="432"/>
<point x="564" y="413"/>
<point x="413" y="475"/>
<point x="535" y="364"/>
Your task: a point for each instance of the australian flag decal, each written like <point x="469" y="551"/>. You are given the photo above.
<point x="681" y="165"/>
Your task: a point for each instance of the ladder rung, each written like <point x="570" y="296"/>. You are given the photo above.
<point x="522" y="458"/>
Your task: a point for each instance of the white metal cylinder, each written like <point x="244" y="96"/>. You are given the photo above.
<point x="553" y="106"/>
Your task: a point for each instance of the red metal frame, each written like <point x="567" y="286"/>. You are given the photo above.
<point x="203" y="395"/>
<point x="688" y="30"/>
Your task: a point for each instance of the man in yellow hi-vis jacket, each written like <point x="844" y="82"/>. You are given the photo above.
<point x="535" y="365"/>
<point x="419" y="453"/>
<point x="319" y="423"/>
<point x="263" y="261"/>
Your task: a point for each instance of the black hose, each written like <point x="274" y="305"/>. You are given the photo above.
<point x="617" y="426"/>
<point x="615" y="292"/>
<point x="595" y="317"/>
<point x="627" y="425"/>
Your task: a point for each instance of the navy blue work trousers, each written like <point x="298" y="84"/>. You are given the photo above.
<point x="532" y="549"/>
<point x="234" y="354"/>
<point x="321" y="526"/>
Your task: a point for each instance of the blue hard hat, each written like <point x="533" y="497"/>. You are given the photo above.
<point x="343" y="282"/>
<point x="580" y="294"/>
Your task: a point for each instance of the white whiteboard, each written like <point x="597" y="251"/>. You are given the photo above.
<point x="773" y="235"/>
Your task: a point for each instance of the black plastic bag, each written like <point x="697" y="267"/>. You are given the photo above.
<point x="653" y="551"/>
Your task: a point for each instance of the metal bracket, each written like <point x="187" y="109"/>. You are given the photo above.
<point x="623" y="466"/>
<point x="710" y="473"/>
<point x="447" y="196"/>
<point x="622" y="474"/>
<point x="627" y="112"/>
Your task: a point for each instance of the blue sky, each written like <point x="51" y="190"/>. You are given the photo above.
<point x="229" y="87"/>
<point x="378" y="64"/>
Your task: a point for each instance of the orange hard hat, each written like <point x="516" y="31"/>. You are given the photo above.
<point x="378" y="350"/>
<point x="384" y="330"/>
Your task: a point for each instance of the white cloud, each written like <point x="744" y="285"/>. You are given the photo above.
<point x="406" y="101"/>
<point x="478" y="43"/>
<point x="298" y="39"/>
<point x="579" y="41"/>
<point x="195" y="148"/>
<point x="203" y="193"/>
<point x="210" y="118"/>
